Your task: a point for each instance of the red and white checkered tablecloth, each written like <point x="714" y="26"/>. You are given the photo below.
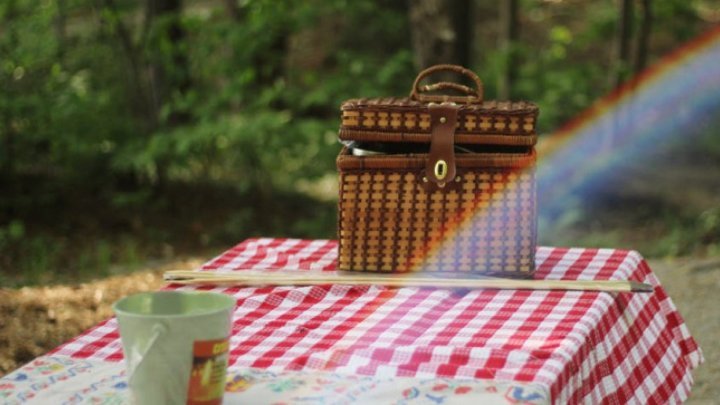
<point x="585" y="347"/>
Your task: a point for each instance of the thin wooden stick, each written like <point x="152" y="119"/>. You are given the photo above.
<point x="283" y="278"/>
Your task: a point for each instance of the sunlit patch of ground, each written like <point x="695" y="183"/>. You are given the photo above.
<point x="693" y="285"/>
<point x="34" y="320"/>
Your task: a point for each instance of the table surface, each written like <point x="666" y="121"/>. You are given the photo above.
<point x="541" y="346"/>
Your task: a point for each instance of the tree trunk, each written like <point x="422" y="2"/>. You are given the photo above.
<point x="144" y="106"/>
<point x="271" y="65"/>
<point x="507" y="41"/>
<point x="168" y="76"/>
<point x="624" y="36"/>
<point x="464" y="23"/>
<point x="621" y="70"/>
<point x="60" y="28"/>
<point x="441" y="31"/>
<point x="233" y="10"/>
<point x="8" y="131"/>
<point x="643" y="39"/>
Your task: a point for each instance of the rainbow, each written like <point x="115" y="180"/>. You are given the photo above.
<point x="665" y="102"/>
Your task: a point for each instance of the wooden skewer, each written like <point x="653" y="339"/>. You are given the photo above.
<point x="285" y="278"/>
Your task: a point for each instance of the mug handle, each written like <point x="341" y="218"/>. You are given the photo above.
<point x="158" y="330"/>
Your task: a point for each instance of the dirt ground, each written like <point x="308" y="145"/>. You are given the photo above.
<point x="62" y="312"/>
<point x="693" y="285"/>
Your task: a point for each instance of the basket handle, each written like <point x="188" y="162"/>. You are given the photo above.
<point x="472" y="95"/>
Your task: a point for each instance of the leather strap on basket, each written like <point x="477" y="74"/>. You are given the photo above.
<point x="471" y="95"/>
<point x="440" y="167"/>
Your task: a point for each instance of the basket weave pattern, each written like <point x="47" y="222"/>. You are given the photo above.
<point x="388" y="223"/>
<point x="367" y="115"/>
<point x="463" y="204"/>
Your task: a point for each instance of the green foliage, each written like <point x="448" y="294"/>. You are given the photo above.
<point x="110" y="118"/>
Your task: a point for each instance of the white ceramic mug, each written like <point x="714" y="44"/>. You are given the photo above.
<point x="175" y="345"/>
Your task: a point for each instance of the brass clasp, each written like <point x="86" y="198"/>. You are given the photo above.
<point x="441" y="169"/>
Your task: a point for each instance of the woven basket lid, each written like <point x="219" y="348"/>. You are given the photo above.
<point x="406" y="119"/>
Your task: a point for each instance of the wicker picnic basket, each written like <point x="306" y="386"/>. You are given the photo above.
<point x="438" y="183"/>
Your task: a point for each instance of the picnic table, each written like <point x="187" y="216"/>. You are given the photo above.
<point x="341" y="344"/>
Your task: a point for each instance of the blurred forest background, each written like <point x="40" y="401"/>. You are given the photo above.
<point x="140" y="130"/>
